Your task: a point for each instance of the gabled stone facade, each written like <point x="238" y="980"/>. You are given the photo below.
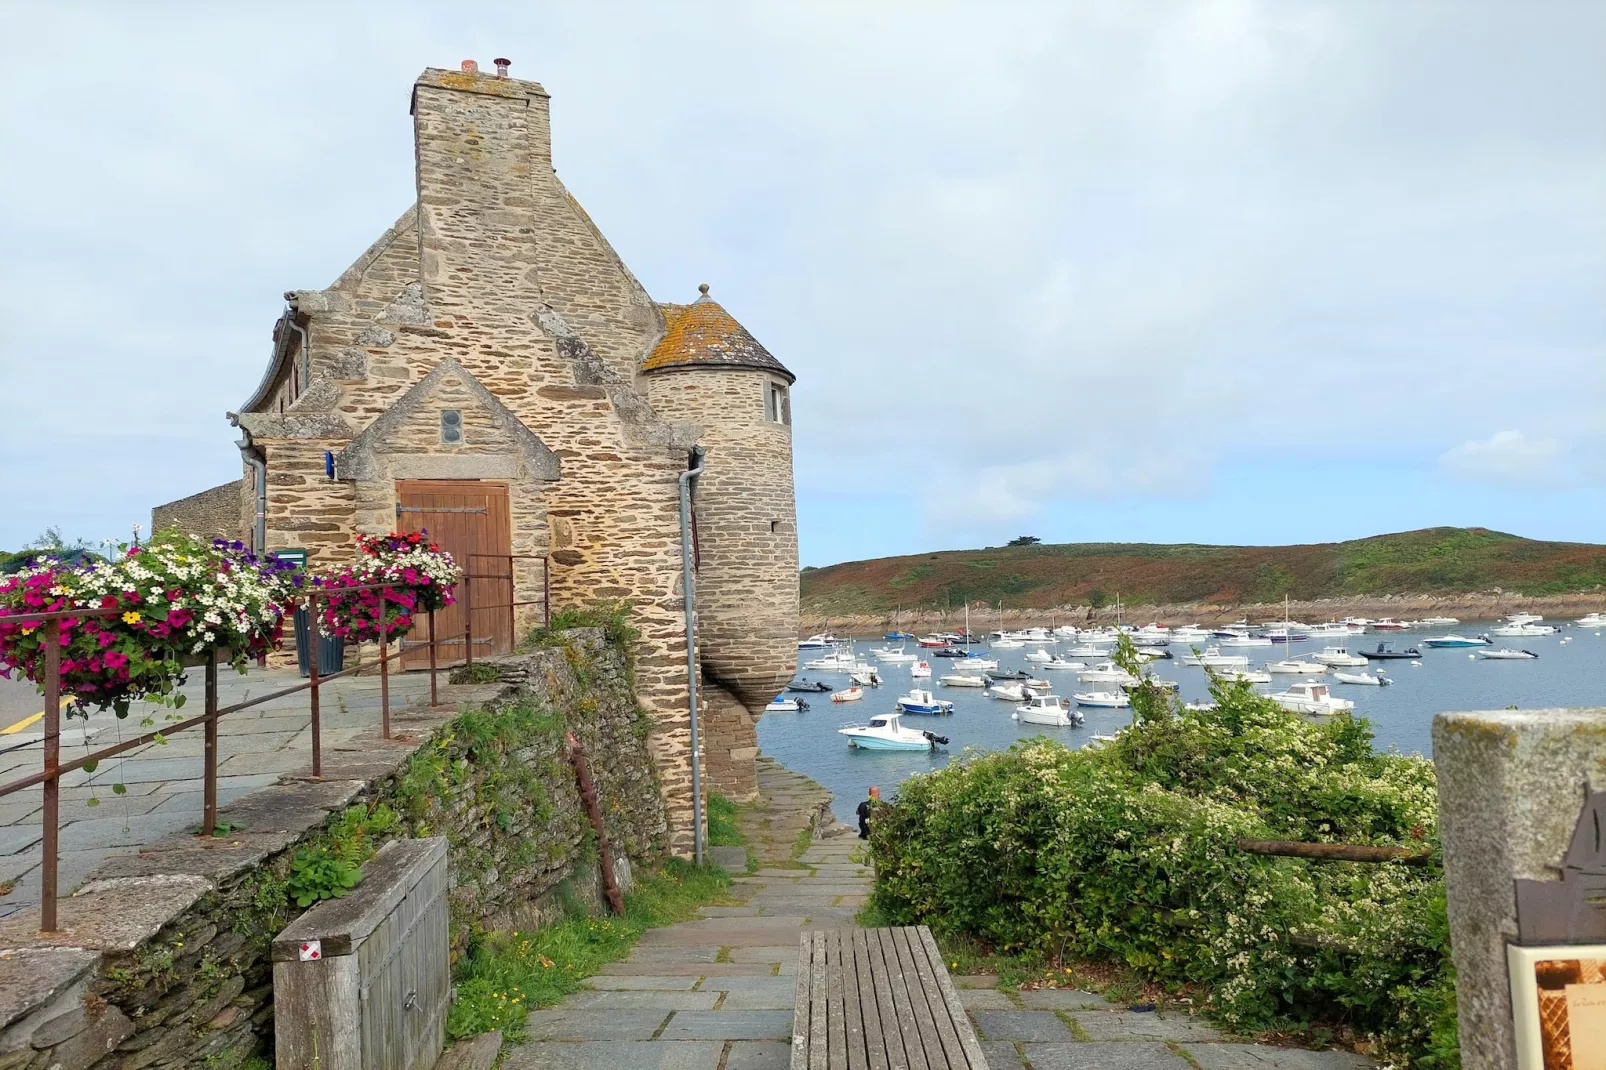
<point x="497" y="298"/>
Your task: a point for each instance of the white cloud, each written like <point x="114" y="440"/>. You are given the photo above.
<point x="1509" y="458"/>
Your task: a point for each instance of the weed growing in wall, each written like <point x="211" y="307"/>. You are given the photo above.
<point x="1125" y="854"/>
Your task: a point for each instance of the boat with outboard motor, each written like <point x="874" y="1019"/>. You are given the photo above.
<point x="1455" y="642"/>
<point x="962" y="679"/>
<point x="804" y="687"/>
<point x="1337" y="655"/>
<point x="848" y="694"/>
<point x="886" y="732"/>
<point x="1386" y="652"/>
<point x="919" y="700"/>
<point x="1050" y="710"/>
<point x="1312" y="698"/>
<point x="1379" y="680"/>
<point x="1295" y="667"/>
<point x="1106" y="700"/>
<point x="920" y="670"/>
<point x="782" y="704"/>
<point x="1507" y="654"/>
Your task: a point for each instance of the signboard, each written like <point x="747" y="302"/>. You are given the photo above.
<point x="1559" y="996"/>
<point x="297" y="557"/>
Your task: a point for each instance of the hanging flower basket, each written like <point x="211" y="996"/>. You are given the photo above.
<point x="175" y="600"/>
<point x="419" y="578"/>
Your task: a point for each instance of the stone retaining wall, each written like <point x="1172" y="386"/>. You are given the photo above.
<point x="162" y="960"/>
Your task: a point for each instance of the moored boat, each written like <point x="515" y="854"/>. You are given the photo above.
<point x="1293" y="667"/>
<point x="1337" y="655"/>
<point x="962" y="679"/>
<point x="803" y="686"/>
<point x="1379" y="680"/>
<point x="1311" y="697"/>
<point x="1386" y="652"/>
<point x="919" y="700"/>
<point x="848" y="694"/>
<point x="1048" y="710"/>
<point x="1507" y="654"/>
<point x="1108" y="700"/>
<point x="1455" y="641"/>
<point x="782" y="704"/>
<point x="886" y="732"/>
<point x="920" y="670"/>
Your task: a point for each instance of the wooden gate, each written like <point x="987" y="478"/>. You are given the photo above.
<point x="469" y="520"/>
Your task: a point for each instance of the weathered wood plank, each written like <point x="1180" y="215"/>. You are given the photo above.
<point x="903" y="1004"/>
<point x="956" y="1009"/>
<point x="891" y="1032"/>
<point x="836" y="1016"/>
<point x="800" y="1002"/>
<point x="817" y="1004"/>
<point x="877" y="1049"/>
<point x="925" y="1023"/>
<point x="852" y="1005"/>
<point x="947" y="1035"/>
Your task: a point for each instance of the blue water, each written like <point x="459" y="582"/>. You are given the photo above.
<point x="1565" y="674"/>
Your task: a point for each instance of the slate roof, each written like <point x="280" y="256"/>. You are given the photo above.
<point x="702" y="334"/>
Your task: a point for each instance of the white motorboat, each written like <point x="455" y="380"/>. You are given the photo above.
<point x="1455" y="642"/>
<point x="818" y="641"/>
<point x="1520" y="629"/>
<point x="1387" y="624"/>
<point x="1248" y="676"/>
<point x="1286" y="633"/>
<point x="848" y="694"/>
<point x="1213" y="658"/>
<point x="1327" y="629"/>
<point x="1592" y="620"/>
<point x="961" y="679"/>
<point x="920" y="670"/>
<point x="1246" y="640"/>
<point x="1524" y="618"/>
<point x="1293" y="667"/>
<point x="976" y="664"/>
<point x="865" y="676"/>
<point x="1039" y="656"/>
<point x="782" y="704"/>
<point x="919" y="700"/>
<point x="1311" y="697"/>
<point x="1439" y="622"/>
<point x="1008" y="690"/>
<point x="1106" y="700"/>
<point x="1048" y="710"/>
<point x="1189" y="633"/>
<point x="1506" y="654"/>
<point x="886" y="732"/>
<point x="1087" y="650"/>
<point x="1379" y="680"/>
<point x="841" y="659"/>
<point x="1106" y="672"/>
<point x="1002" y="643"/>
<point x="1061" y="663"/>
<point x="894" y="656"/>
<point x="1337" y="655"/>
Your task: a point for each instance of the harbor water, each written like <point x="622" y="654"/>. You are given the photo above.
<point x="1571" y="673"/>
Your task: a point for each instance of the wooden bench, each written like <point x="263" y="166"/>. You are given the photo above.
<point x="878" y="999"/>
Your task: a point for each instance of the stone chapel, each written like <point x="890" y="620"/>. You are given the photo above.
<point x="489" y="369"/>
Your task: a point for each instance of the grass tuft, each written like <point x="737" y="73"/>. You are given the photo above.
<point x="722" y="828"/>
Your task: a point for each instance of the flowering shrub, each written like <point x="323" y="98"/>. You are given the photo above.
<point x="419" y="574"/>
<point x="176" y="598"/>
<point x="1125" y="853"/>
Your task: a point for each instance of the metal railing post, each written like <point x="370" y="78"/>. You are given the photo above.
<point x="384" y="683"/>
<point x="209" y="750"/>
<point x="313" y="657"/>
<point x="468" y="613"/>
<point x="52" y="812"/>
<point x="434" y="697"/>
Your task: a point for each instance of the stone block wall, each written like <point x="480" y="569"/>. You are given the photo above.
<point x="213" y="513"/>
<point x="163" y="961"/>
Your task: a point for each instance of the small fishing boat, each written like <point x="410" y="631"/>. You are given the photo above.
<point x="1048" y="710"/>
<point x="1455" y="641"/>
<point x="842" y="659"/>
<point x="865" y="676"/>
<point x="932" y="641"/>
<point x="1523" y="628"/>
<point x="1311" y="697"/>
<point x="1386" y="652"/>
<point x="1106" y="672"/>
<point x="1005" y="644"/>
<point x="951" y="652"/>
<point x="961" y="679"/>
<point x="1087" y="650"/>
<point x="1248" y="676"/>
<point x="1009" y="674"/>
<point x="1008" y="690"/>
<point x="893" y="656"/>
<point x="1592" y="620"/>
<point x="1379" y="680"/>
<point x="803" y="686"/>
<point x="1038" y="656"/>
<point x="818" y="641"/>
<point x="782" y="704"/>
<point x="1507" y="654"/>
<point x="977" y="663"/>
<point x="1439" y="622"/>
<point x="1061" y="663"/>
<point x="1292" y="667"/>
<point x="1152" y="681"/>
<point x="1107" y="700"/>
<point x="1388" y="624"/>
<point x="1213" y="658"/>
<point x="1337" y="655"/>
<point x="848" y="694"/>
<point x="1284" y="633"/>
<point x="1188" y="633"/>
<point x="886" y="732"/>
<point x="919" y="700"/>
<point x="920" y="670"/>
<point x="1246" y="640"/>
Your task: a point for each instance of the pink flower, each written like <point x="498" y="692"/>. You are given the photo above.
<point x="114" y="660"/>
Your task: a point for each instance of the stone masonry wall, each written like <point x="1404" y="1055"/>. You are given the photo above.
<point x="212" y="513"/>
<point x="165" y="959"/>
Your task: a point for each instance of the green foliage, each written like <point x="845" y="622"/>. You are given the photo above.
<point x="315" y="873"/>
<point x="506" y="975"/>
<point x="329" y="867"/>
<point x="1125" y="854"/>
<point x="1097" y="598"/>
<point x="722" y="828"/>
<point x="1024" y="540"/>
<point x="477" y="673"/>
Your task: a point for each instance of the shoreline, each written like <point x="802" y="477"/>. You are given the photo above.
<point x="1486" y="605"/>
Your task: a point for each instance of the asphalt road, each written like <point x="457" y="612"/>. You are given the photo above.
<point x="18" y="699"/>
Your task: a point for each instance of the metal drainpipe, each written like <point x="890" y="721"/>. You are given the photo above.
<point x="259" y="534"/>
<point x="304" y="373"/>
<point x="688" y="586"/>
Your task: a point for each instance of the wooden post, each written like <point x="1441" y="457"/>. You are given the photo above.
<point x="588" y="794"/>
<point x="209" y="751"/>
<point x="1334" y="852"/>
<point x="384" y="685"/>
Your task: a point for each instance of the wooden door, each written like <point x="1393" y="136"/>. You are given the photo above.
<point x="469" y="520"/>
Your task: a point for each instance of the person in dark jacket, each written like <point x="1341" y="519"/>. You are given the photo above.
<point x="864" y="811"/>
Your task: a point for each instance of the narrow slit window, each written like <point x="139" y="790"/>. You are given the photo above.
<point x="776" y="408"/>
<point x="451" y="426"/>
<point x="775" y="527"/>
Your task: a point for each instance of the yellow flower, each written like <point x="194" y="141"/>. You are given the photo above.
<point x="131" y="617"/>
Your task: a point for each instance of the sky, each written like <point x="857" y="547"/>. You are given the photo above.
<point x="1171" y="272"/>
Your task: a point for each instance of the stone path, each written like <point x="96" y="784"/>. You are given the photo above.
<point x="255" y="748"/>
<point x="716" y="993"/>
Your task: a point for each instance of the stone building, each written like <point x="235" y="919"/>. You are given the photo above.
<point x="491" y="370"/>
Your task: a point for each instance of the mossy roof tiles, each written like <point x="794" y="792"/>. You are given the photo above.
<point x="702" y="335"/>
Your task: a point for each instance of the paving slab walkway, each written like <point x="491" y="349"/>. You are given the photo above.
<point x="163" y="796"/>
<point x="716" y="993"/>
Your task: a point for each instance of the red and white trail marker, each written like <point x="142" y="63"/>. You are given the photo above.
<point x="311" y="949"/>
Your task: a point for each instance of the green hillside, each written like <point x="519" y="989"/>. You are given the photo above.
<point x="1430" y="561"/>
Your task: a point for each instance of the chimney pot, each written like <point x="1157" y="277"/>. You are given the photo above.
<point x="470" y="67"/>
<point x="501" y="67"/>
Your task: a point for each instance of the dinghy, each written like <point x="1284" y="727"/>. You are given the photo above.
<point x="1362" y="678"/>
<point x="1507" y="654"/>
<point x="848" y="694"/>
<point x="807" y="688"/>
